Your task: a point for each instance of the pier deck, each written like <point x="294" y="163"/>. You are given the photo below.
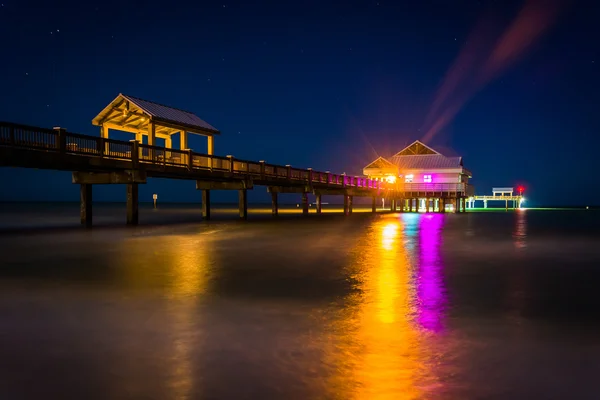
<point x="100" y="160"/>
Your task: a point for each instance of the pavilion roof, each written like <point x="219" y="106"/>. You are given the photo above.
<point x="159" y="113"/>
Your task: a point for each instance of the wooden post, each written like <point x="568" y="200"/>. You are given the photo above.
<point x="374" y="204"/>
<point x="183" y="140"/>
<point x="86" y="205"/>
<point x="410" y="205"/>
<point x="289" y="171"/>
<point x="206" y="204"/>
<point x="151" y="139"/>
<point x="61" y="139"/>
<point x="168" y="143"/>
<point x="135" y="153"/>
<point x="132" y="204"/>
<point x="100" y="146"/>
<point x="346" y="201"/>
<point x="262" y="169"/>
<point x="274" y="203"/>
<point x="305" y="203"/>
<point x="243" y="203"/>
<point x="319" y="203"/>
<point x="427" y="204"/>
<point x="350" y="201"/>
<point x="210" y="145"/>
<point x="230" y="163"/>
<point x="442" y="205"/>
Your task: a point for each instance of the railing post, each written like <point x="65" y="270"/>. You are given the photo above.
<point x="262" y="168"/>
<point x="328" y="176"/>
<point x="230" y="157"/>
<point x="100" y="146"/>
<point x="135" y="153"/>
<point x="344" y="179"/>
<point x="62" y="138"/>
<point x="310" y="176"/>
<point x="190" y="160"/>
<point x="289" y="171"/>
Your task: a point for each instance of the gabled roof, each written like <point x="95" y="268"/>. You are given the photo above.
<point x="429" y="161"/>
<point x="380" y="163"/>
<point x="416" y="148"/>
<point x="159" y="113"/>
<point x="170" y="114"/>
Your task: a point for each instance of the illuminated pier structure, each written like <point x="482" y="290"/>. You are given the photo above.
<point x="504" y="194"/>
<point x="101" y="160"/>
<point x="424" y="179"/>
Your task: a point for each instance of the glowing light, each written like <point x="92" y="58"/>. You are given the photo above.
<point x="427" y="178"/>
<point x="409" y="178"/>
<point x="391" y="179"/>
<point x="430" y="283"/>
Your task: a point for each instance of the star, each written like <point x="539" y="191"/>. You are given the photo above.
<point x="26" y="73"/>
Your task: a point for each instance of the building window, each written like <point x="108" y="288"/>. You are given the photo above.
<point x="408" y="178"/>
<point x="427" y="178"/>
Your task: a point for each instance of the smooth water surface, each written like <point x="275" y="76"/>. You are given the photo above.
<point x="404" y="306"/>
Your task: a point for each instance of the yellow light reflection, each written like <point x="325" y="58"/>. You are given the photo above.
<point x="390" y="362"/>
<point x="189" y="259"/>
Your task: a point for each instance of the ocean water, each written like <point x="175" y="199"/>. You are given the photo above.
<point x="498" y="305"/>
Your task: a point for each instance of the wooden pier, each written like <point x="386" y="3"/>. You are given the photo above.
<point x="101" y="160"/>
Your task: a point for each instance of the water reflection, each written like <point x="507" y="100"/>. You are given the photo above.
<point x="401" y="305"/>
<point x="430" y="284"/>
<point x="179" y="266"/>
<point x="520" y="232"/>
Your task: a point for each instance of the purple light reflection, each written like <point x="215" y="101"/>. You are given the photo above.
<point x="431" y="295"/>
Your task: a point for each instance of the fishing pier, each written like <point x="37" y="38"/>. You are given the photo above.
<point x="101" y="160"/>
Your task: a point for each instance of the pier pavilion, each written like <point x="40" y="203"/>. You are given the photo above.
<point x="146" y="119"/>
<point x="424" y="179"/>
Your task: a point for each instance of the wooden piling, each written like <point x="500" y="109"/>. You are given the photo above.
<point x="132" y="204"/>
<point x="243" y="203"/>
<point x="274" y="204"/>
<point x="86" y="205"/>
<point x="206" y="204"/>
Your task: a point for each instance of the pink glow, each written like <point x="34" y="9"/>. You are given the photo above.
<point x="475" y="66"/>
<point x="431" y="296"/>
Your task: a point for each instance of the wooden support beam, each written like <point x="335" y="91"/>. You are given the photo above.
<point x="210" y="145"/>
<point x="183" y="140"/>
<point x="151" y="134"/>
<point x="305" y="203"/>
<point x="206" y="204"/>
<point x="132" y="204"/>
<point x="374" y="204"/>
<point x="108" y="178"/>
<point x="319" y="202"/>
<point x="350" y="204"/>
<point x="217" y="185"/>
<point x="243" y="203"/>
<point x="274" y="204"/>
<point x="286" y="189"/>
<point x="86" y="205"/>
<point x="346" y="204"/>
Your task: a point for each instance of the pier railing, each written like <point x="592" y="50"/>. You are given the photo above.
<point x="60" y="141"/>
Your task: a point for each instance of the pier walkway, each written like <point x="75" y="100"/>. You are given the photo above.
<point x="101" y="160"/>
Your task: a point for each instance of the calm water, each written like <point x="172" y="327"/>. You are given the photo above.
<point x="405" y="306"/>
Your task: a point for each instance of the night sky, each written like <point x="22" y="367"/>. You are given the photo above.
<point x="512" y="86"/>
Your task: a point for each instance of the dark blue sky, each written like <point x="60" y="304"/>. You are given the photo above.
<point x="327" y="85"/>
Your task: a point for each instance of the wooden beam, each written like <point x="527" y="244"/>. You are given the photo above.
<point x="234" y="185"/>
<point x="177" y="127"/>
<point x="151" y="134"/>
